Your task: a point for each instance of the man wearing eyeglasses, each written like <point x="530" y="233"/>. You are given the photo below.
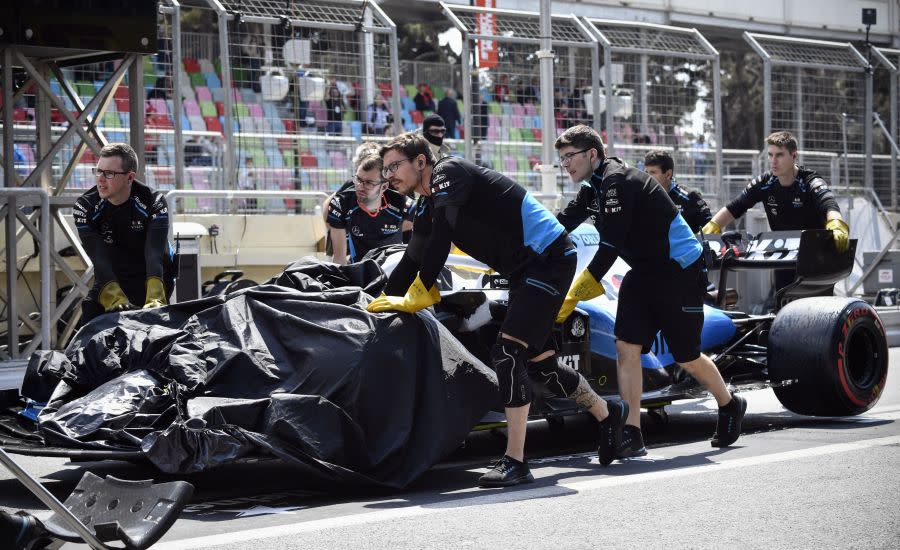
<point x="664" y="289"/>
<point x="124" y="228"/>
<point x="367" y="216"/>
<point x="499" y="223"/>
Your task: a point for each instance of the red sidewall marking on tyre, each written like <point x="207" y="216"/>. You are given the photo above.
<point x="848" y="323"/>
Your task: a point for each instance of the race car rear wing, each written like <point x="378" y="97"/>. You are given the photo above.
<point x="811" y="253"/>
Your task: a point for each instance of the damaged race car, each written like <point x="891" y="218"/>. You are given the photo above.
<point x="822" y="355"/>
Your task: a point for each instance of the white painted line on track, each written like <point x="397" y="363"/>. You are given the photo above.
<point x="501" y="496"/>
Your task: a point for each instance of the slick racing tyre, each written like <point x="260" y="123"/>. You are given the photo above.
<point x="828" y="356"/>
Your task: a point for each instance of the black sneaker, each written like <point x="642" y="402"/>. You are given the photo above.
<point x="632" y="443"/>
<point x="611" y="431"/>
<point x="728" y="428"/>
<point x="506" y="471"/>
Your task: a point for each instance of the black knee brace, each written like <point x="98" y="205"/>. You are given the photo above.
<point x="559" y="379"/>
<point x="508" y="360"/>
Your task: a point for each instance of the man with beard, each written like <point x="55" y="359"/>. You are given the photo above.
<point x="498" y="223"/>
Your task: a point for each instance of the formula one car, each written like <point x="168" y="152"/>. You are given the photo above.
<point x="822" y="355"/>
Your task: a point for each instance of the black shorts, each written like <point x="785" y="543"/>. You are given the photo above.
<point x="671" y="301"/>
<point x="537" y="292"/>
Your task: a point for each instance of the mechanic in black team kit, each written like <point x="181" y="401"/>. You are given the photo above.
<point x="637" y="220"/>
<point x="793" y="197"/>
<point x="369" y="215"/>
<point x="124" y="228"/>
<point x="497" y="222"/>
<point x="693" y="208"/>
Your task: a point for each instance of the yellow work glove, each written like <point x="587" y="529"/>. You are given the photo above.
<point x="584" y="287"/>
<point x="711" y="228"/>
<point x="416" y="298"/>
<point x="156" y="293"/>
<point x="112" y="298"/>
<point x="841" y="233"/>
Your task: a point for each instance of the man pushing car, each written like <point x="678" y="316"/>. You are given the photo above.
<point x="499" y="223"/>
<point x="664" y="289"/>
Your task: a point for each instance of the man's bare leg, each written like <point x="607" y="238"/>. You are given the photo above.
<point x="631" y="381"/>
<point x="704" y="371"/>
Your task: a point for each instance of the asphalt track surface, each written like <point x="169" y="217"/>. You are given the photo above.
<point x="789" y="482"/>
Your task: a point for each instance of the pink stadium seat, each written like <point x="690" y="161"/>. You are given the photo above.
<point x="203" y="93"/>
<point x="256" y="110"/>
<point x="191" y="107"/>
<point x="339" y="160"/>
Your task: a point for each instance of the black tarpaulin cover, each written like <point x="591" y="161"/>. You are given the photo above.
<point x="294" y="367"/>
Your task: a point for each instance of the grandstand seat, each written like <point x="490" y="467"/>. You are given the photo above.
<point x="256" y="110"/>
<point x="218" y="94"/>
<point x="518" y="109"/>
<point x="322" y="159"/>
<point x="206" y="66"/>
<point x="510" y="164"/>
<point x="19" y="115"/>
<point x="308" y="160"/>
<point x="506" y="108"/>
<point x="212" y="80"/>
<point x="197" y="123"/>
<point x="197" y="80"/>
<point x="385" y="89"/>
<point x="411" y="90"/>
<point x="190" y="65"/>
<point x="208" y="109"/>
<point x="536" y="132"/>
<point x="417" y="117"/>
<point x="191" y="108"/>
<point x="111" y="120"/>
<point x="158" y="106"/>
<point x="288" y="157"/>
<point x="356" y="129"/>
<point x="121" y="93"/>
<point x="289" y="125"/>
<point x="408" y="104"/>
<point x="213" y="124"/>
<point x="339" y="160"/>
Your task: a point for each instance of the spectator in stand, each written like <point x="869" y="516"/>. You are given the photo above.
<point x="424" y="100"/>
<point x="528" y="93"/>
<point x="501" y="90"/>
<point x="334" y="107"/>
<point x="449" y="111"/>
<point x="378" y="116"/>
<point x="248" y="181"/>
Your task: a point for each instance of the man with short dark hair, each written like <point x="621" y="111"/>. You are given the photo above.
<point x="792" y="196"/>
<point x="499" y="223"/>
<point x="369" y="215"/>
<point x="664" y="289"/>
<point x="693" y="208"/>
<point x="124" y="227"/>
